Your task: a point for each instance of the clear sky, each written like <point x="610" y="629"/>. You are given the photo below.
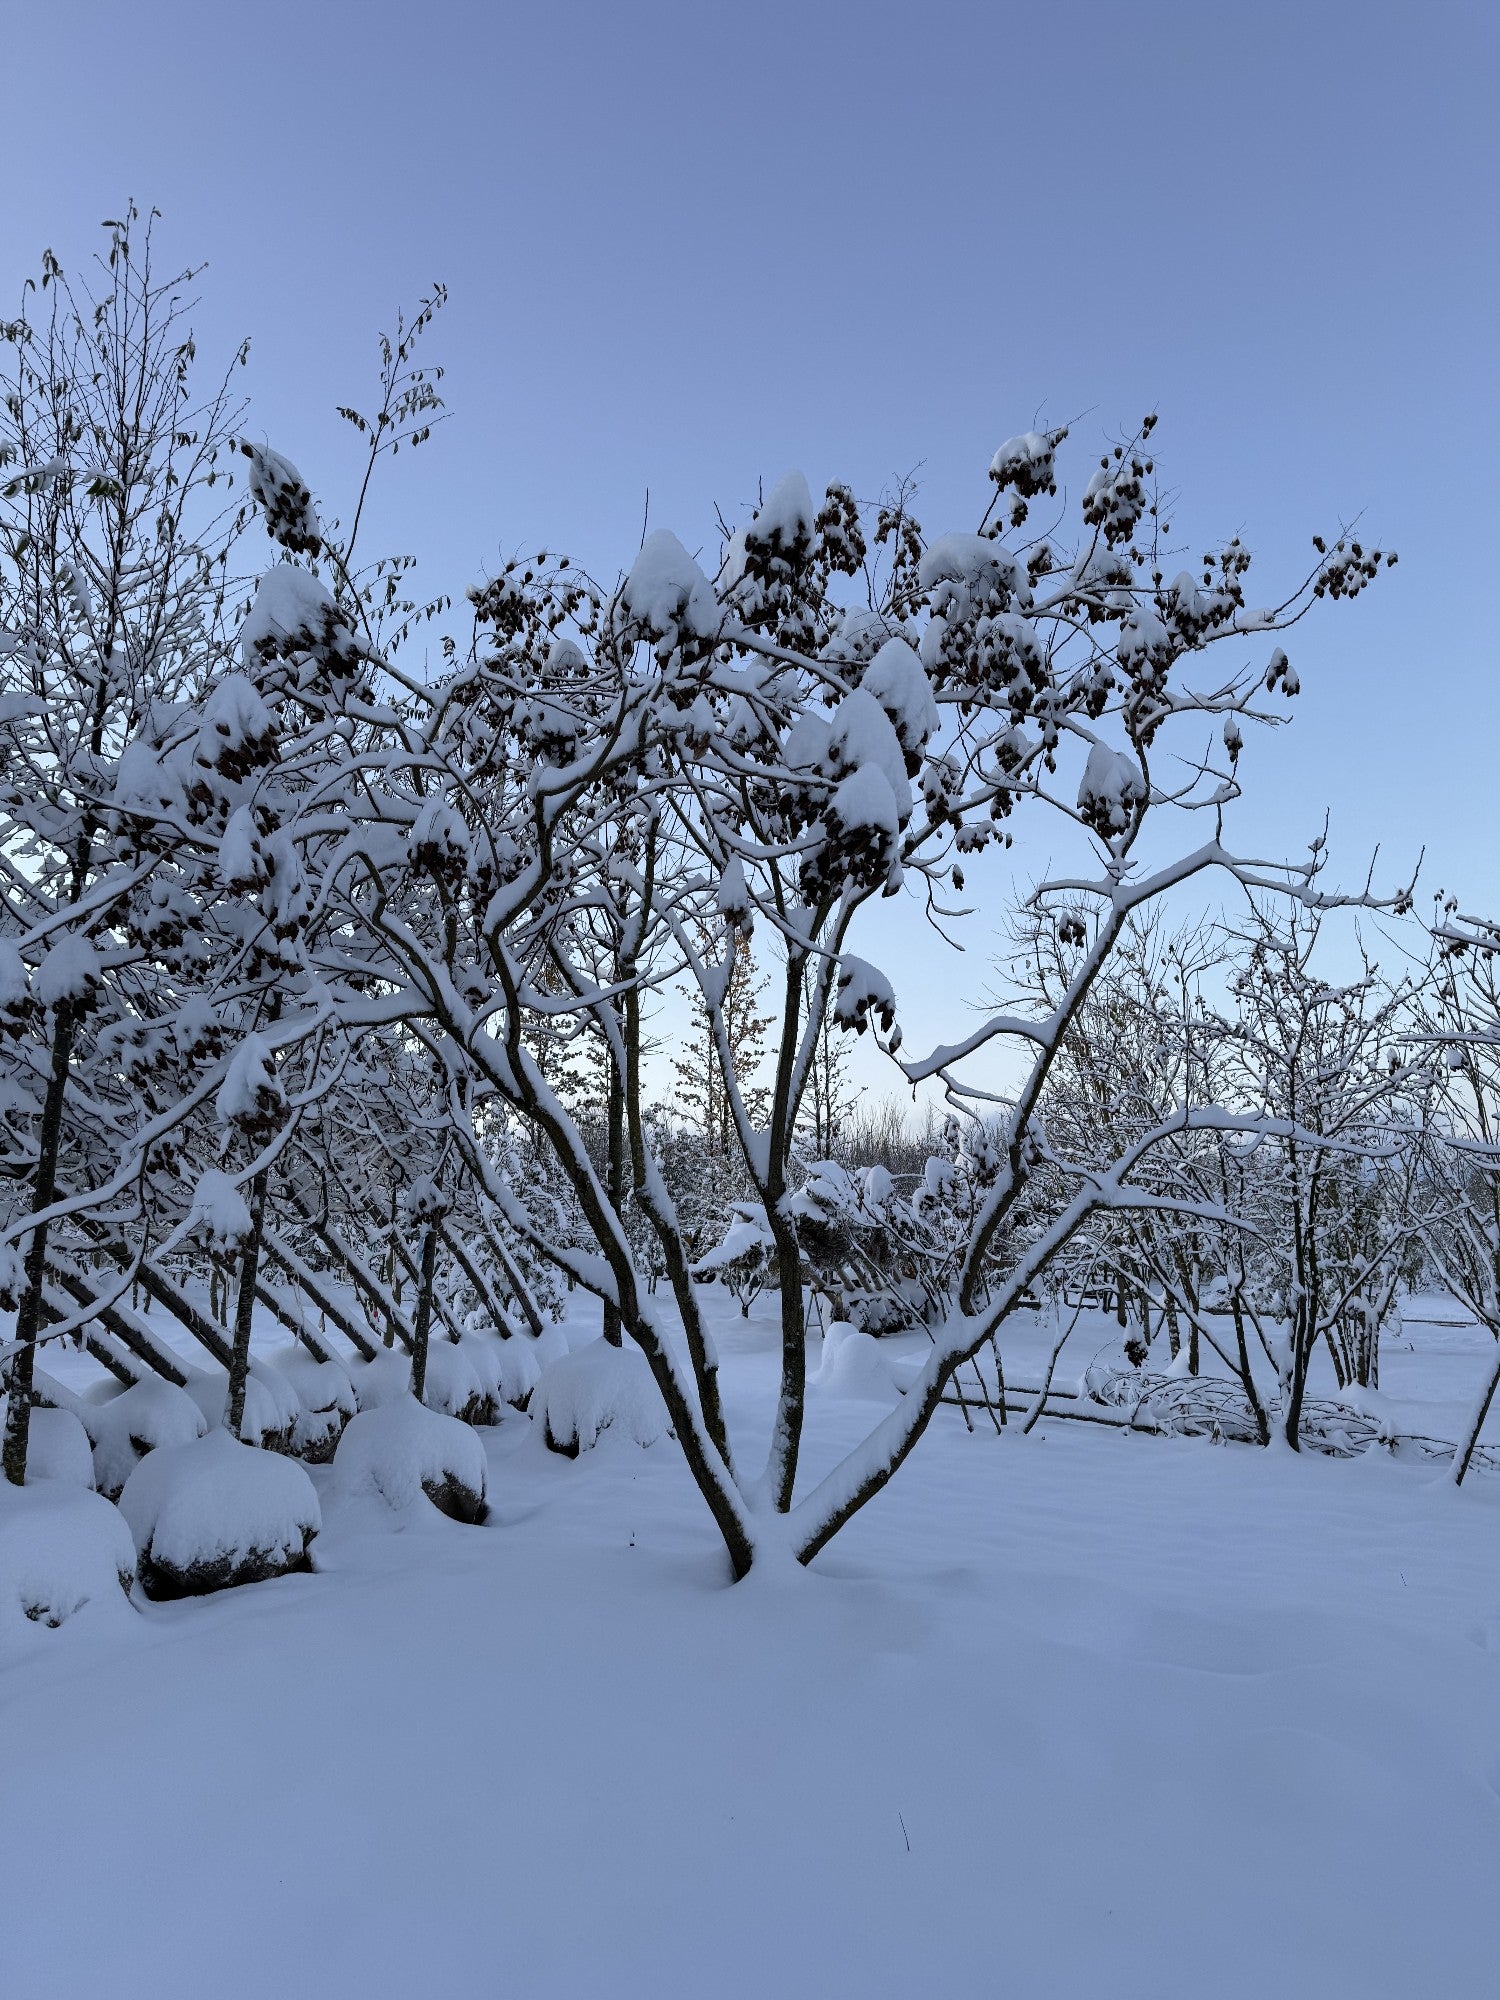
<point x="690" y="246"/>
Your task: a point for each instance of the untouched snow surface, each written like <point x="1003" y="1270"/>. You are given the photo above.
<point x="1078" y="1714"/>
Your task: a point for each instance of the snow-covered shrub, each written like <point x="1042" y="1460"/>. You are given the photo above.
<point x="59" y="1449"/>
<point x="453" y="1385"/>
<point x="597" y="1388"/>
<point x="147" y="1417"/>
<point x="215" y="1513"/>
<point x="327" y="1400"/>
<point x="384" y="1379"/>
<point x="507" y="1370"/>
<point x="402" y="1450"/>
<point x="273" y="1408"/>
<point x="745" y="1261"/>
<point x="60" y="1549"/>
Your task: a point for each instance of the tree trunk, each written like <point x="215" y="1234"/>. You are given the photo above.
<point x="423" y="1326"/>
<point x="615" y="1181"/>
<point x="21" y="1373"/>
<point x="244" y="1311"/>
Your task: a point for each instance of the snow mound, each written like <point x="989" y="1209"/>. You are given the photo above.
<point x="507" y="1369"/>
<point x="552" y="1344"/>
<point x="216" y="1512"/>
<point x="598" y="1388"/>
<point x="855" y="1365"/>
<point x="402" y="1450"/>
<point x="145" y="1417"/>
<point x="327" y="1398"/>
<point x="60" y="1549"/>
<point x="272" y="1405"/>
<point x="58" y="1447"/>
<point x="453" y="1386"/>
<point x="386" y="1379"/>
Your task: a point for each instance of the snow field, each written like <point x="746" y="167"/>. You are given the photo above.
<point x="1074" y="1714"/>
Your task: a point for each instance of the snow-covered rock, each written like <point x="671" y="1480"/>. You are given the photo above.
<point x="60" y="1549"/>
<point x="216" y="1512"/>
<point x="402" y="1450"/>
<point x="597" y="1388"/>
<point x="143" y="1418"/>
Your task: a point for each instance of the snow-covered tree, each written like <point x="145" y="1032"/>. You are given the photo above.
<point x="842" y="710"/>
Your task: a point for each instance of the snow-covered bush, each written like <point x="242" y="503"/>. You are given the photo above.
<point x="325" y="1397"/>
<point x="401" y="1450"/>
<point x="149" y="1416"/>
<point x="60" y="1449"/>
<point x="593" y="1389"/>
<point x="61" y="1548"/>
<point x="215" y="1513"/>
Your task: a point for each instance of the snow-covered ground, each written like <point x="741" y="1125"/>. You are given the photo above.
<point x="1076" y="1714"/>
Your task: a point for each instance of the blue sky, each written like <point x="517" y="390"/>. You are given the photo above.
<point x="689" y="247"/>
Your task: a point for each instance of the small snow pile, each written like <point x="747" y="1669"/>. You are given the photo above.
<point x="745" y="1260"/>
<point x="147" y="1416"/>
<point x="854" y="1365"/>
<point x="215" y="1513"/>
<point x="72" y="971"/>
<point x="597" y="1388"/>
<point x="551" y="1345"/>
<point x="402" y="1450"/>
<point x="57" y="1447"/>
<point x="285" y="501"/>
<point x="60" y="1549"/>
<point x="294" y="618"/>
<point x="327" y="1401"/>
<point x="519" y="1365"/>
<point x="272" y="1405"/>
<point x="863" y="990"/>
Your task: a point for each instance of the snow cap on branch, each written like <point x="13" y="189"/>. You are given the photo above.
<point x="1113" y="788"/>
<point x="863" y="989"/>
<point x="219" y="1214"/>
<point x="70" y="973"/>
<point x="278" y="487"/>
